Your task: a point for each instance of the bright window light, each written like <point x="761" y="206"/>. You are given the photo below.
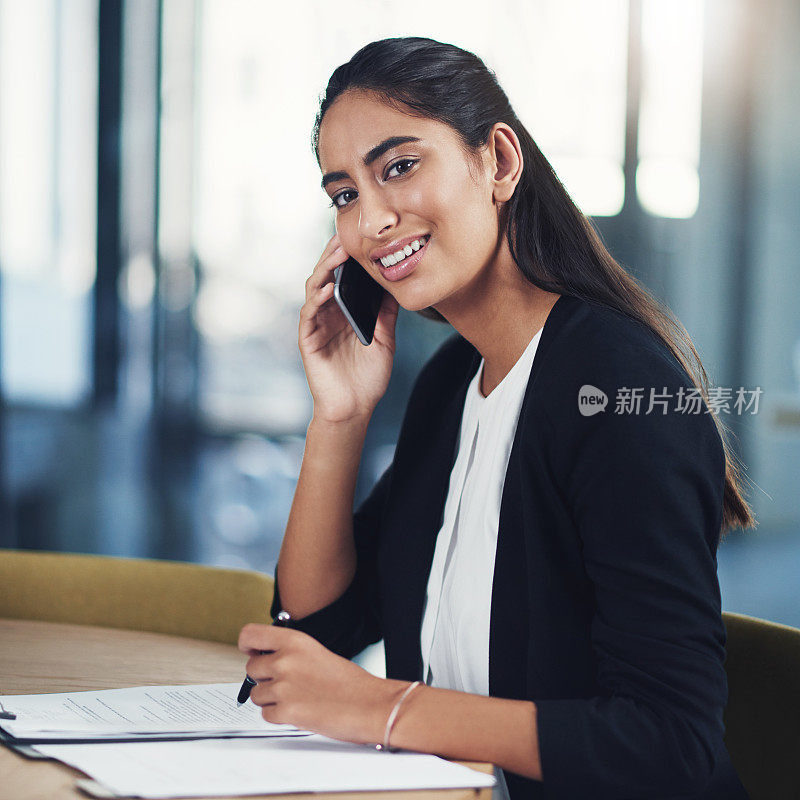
<point x="597" y="185"/>
<point x="567" y="82"/>
<point x="48" y="199"/>
<point x="668" y="187"/>
<point x="667" y="182"/>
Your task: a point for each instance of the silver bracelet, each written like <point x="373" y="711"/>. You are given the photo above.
<point x="393" y="717"/>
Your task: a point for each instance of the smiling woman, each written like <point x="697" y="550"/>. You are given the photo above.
<point x="420" y="182"/>
<point x="548" y="576"/>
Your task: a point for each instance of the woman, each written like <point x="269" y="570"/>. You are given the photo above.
<point x="544" y="564"/>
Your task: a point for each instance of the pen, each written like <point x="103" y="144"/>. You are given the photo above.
<point x="244" y="693"/>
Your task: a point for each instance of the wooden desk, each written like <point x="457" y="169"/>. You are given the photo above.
<point x="52" y="657"/>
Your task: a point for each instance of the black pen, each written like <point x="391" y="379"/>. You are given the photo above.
<point x="247" y="685"/>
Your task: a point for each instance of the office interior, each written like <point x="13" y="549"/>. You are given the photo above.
<point x="160" y="211"/>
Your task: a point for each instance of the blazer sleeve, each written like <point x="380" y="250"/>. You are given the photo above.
<point x="645" y="494"/>
<point x="352" y="621"/>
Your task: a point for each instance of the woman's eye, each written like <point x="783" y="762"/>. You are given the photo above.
<point x="406" y="161"/>
<point x="410" y="161"/>
<point x="335" y="201"/>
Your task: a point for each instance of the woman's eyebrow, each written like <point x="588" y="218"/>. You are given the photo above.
<point x="372" y="154"/>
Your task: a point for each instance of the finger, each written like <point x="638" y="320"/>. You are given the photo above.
<point x="261" y="666"/>
<point x="310" y="317"/>
<point x="263" y="694"/>
<point x="273" y="713"/>
<point x="255" y="637"/>
<point x="333" y="242"/>
<point x="330" y="246"/>
<point x="280" y="713"/>
<point x="271" y="693"/>
<point x="247" y="635"/>
<point x="322" y="273"/>
<point x="314" y="303"/>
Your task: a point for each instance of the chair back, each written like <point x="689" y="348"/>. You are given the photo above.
<point x="176" y="598"/>
<point x="762" y="719"/>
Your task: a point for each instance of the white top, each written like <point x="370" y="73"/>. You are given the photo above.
<point x="455" y="623"/>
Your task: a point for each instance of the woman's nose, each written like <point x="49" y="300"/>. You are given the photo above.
<point x="374" y="213"/>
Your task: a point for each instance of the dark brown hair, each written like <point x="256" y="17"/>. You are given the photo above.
<point x="552" y="242"/>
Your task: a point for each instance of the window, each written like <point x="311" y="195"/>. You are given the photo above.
<point x="566" y="78"/>
<point x="667" y="181"/>
<point x="48" y="112"/>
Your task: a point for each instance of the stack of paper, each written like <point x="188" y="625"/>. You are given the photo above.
<point x="236" y="751"/>
<point x="257" y="766"/>
<point x="140" y="713"/>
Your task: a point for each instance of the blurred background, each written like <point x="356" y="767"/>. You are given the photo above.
<point x="160" y="210"/>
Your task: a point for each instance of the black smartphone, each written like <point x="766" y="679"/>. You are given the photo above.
<point x="359" y="296"/>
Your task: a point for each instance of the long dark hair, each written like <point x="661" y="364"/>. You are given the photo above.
<point x="553" y="243"/>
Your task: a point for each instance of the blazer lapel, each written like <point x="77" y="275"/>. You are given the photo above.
<point x="509" y="622"/>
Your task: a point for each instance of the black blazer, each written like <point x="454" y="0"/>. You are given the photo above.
<point x="605" y="603"/>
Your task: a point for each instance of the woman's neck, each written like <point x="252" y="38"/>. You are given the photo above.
<point x="499" y="315"/>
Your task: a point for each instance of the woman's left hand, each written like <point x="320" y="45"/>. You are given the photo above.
<point x="304" y="684"/>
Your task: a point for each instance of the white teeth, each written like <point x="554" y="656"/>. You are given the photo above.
<point x="394" y="258"/>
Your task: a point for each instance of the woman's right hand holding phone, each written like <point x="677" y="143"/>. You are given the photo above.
<point x="346" y="378"/>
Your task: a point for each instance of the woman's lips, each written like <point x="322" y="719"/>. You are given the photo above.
<point x="404" y="267"/>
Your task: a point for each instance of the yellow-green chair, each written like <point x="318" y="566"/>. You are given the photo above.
<point x="189" y="600"/>
<point x="762" y="719"/>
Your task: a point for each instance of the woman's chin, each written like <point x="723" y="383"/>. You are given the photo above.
<point x="412" y="301"/>
<point x="416" y="306"/>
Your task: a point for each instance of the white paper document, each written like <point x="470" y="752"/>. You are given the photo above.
<point x="147" y="711"/>
<point x="258" y="766"/>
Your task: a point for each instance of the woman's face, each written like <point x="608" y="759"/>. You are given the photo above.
<point x="411" y="190"/>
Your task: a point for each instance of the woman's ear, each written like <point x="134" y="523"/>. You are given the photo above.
<point x="506" y="162"/>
